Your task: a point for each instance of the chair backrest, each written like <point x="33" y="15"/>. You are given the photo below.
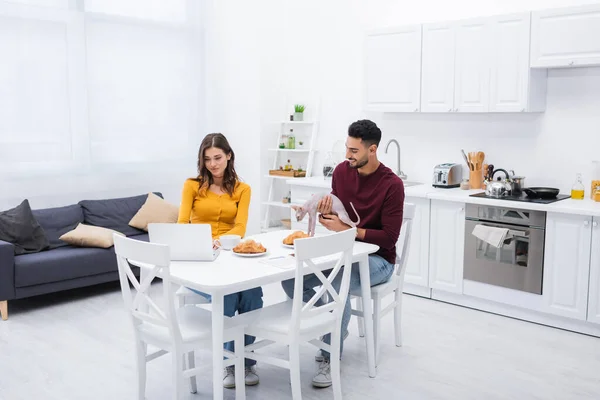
<point x="141" y="307"/>
<point x="340" y="247"/>
<point x="403" y="246"/>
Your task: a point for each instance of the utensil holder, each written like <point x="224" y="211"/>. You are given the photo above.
<point x="476" y="179"/>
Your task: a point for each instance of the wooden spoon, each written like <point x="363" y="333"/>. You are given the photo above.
<point x="480" y="158"/>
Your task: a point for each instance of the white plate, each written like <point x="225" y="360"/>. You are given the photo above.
<point x="250" y="254"/>
<point x="287" y="246"/>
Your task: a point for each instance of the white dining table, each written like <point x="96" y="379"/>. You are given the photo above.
<point x="230" y="273"/>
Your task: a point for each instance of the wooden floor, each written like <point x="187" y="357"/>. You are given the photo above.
<point x="78" y="345"/>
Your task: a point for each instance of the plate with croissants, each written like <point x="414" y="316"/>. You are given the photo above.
<point x="288" y="241"/>
<point x="249" y="248"/>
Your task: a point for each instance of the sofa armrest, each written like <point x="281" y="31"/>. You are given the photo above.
<point x="7" y="271"/>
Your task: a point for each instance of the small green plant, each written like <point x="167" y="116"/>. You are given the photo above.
<point x="299" y="108"/>
<point x="299" y="169"/>
<point x="301" y="143"/>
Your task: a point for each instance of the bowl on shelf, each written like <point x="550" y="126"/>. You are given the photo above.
<point x="287" y="223"/>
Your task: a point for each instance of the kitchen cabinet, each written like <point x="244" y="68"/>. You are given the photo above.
<point x="514" y="86"/>
<point x="593" y="314"/>
<point x="568" y="37"/>
<point x="567" y="264"/>
<point x="480" y="65"/>
<point x="437" y="88"/>
<point x="393" y="70"/>
<point x="472" y="66"/>
<point x="446" y="245"/>
<point x="417" y="268"/>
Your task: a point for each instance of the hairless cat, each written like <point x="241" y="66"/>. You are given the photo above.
<point x="310" y="208"/>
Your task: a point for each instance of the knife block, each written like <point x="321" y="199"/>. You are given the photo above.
<point x="476" y="179"/>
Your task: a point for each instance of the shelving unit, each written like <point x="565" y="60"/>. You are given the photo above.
<point x="280" y="158"/>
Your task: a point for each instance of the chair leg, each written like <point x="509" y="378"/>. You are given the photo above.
<point x="398" y="317"/>
<point x="377" y="326"/>
<point x="191" y="363"/>
<point x="141" y="348"/>
<point x="360" y="321"/>
<point x="336" y="377"/>
<point x="240" y="376"/>
<point x="177" y="359"/>
<point x="294" y="350"/>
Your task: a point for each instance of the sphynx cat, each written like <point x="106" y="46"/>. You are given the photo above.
<point x="310" y="208"/>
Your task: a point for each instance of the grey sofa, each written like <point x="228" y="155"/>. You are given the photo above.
<point x="62" y="266"/>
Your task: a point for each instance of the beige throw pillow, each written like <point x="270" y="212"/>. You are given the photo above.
<point x="90" y="236"/>
<point x="155" y="209"/>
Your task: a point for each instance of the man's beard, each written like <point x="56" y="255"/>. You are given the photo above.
<point x="359" y="164"/>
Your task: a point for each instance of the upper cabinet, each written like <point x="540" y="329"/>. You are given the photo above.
<point x="566" y="37"/>
<point x="437" y="93"/>
<point x="472" y="66"/>
<point x="393" y="70"/>
<point x="514" y="86"/>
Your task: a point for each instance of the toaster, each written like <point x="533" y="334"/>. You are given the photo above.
<point x="447" y="175"/>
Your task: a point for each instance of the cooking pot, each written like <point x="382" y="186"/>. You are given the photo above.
<point x="541" y="192"/>
<point x="517" y="183"/>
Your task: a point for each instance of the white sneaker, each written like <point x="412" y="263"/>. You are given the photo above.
<point x="251" y="378"/>
<point x="319" y="357"/>
<point x="229" y="378"/>
<point x="322" y="378"/>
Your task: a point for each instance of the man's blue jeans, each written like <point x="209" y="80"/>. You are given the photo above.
<point x="241" y="302"/>
<point x="381" y="271"/>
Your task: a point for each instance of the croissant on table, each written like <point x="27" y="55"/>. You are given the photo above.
<point x="249" y="247"/>
<point x="289" y="240"/>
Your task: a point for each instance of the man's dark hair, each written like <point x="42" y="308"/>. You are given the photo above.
<point x="366" y="130"/>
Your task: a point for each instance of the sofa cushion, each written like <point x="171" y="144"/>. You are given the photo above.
<point x="63" y="263"/>
<point x="58" y="221"/>
<point x="114" y="213"/>
<point x="155" y="209"/>
<point x="19" y="227"/>
<point x="90" y="236"/>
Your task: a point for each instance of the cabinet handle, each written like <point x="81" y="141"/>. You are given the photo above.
<point x="595" y="224"/>
<point x="572" y="62"/>
<point x="416" y="109"/>
<point x="450" y="110"/>
<point x="586" y="223"/>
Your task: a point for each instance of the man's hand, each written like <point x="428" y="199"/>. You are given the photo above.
<point x="324" y="205"/>
<point x="333" y="223"/>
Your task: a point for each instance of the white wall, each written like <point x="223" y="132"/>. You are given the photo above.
<point x="323" y="55"/>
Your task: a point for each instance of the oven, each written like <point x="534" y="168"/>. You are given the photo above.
<point x="518" y="262"/>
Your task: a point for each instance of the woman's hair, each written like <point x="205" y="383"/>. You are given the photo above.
<point x="205" y="178"/>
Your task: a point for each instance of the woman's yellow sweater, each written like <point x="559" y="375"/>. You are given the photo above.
<point x="227" y="215"/>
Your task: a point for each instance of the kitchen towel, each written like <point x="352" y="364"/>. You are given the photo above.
<point x="490" y="234"/>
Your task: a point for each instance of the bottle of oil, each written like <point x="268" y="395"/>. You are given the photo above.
<point x="578" y="190"/>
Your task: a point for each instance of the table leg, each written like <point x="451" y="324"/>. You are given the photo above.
<point x="217" y="344"/>
<point x="365" y="287"/>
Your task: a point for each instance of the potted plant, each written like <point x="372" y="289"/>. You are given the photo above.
<point x="299" y="112"/>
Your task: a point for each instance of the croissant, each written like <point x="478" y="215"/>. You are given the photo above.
<point x="289" y="240"/>
<point x="249" y="247"/>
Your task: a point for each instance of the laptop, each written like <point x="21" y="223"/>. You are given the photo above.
<point x="188" y="242"/>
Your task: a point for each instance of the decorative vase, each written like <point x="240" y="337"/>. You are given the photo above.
<point x="298" y="116"/>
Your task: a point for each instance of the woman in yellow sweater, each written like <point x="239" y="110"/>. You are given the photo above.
<point x="218" y="198"/>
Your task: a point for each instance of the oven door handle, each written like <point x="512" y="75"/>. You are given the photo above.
<point x="512" y="232"/>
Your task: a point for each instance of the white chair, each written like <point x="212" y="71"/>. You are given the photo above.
<point x="394" y="285"/>
<point x="176" y="331"/>
<point x="293" y="322"/>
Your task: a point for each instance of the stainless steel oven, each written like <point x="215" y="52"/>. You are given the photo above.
<point x="519" y="260"/>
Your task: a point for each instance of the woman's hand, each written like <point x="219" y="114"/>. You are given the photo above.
<point x="216" y="244"/>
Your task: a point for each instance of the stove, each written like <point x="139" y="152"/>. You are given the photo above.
<point x="523" y="197"/>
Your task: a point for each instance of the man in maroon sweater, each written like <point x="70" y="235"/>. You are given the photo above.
<point x="378" y="196"/>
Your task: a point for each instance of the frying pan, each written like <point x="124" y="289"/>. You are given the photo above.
<point x="541" y="192"/>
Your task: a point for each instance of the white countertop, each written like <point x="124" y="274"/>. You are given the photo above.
<point x="567" y="206"/>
